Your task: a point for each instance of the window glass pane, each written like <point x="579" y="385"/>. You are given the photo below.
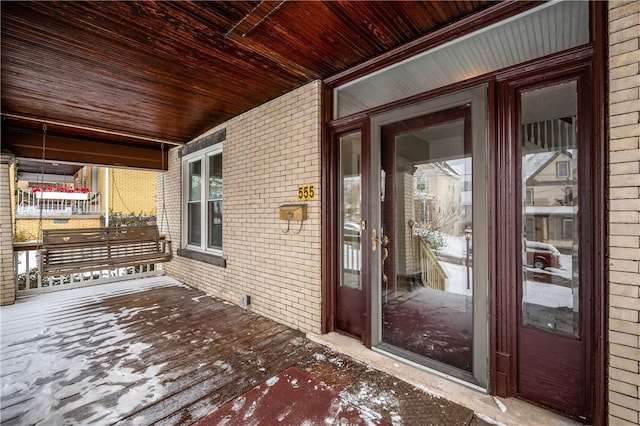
<point x="428" y="287"/>
<point x="562" y="168"/>
<point x="214" y="223"/>
<point x="351" y="213"/>
<point x="195" y="180"/>
<point x="529" y="197"/>
<point x="215" y="176"/>
<point x="550" y="282"/>
<point x="193" y="232"/>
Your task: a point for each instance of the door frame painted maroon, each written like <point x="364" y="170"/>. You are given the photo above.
<point x="530" y="343"/>
<point x="334" y="293"/>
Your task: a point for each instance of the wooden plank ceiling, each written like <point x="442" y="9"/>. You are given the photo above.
<point x="118" y="78"/>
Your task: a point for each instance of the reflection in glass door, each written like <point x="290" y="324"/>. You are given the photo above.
<point x="433" y="288"/>
<point x="428" y="276"/>
<point x="552" y="321"/>
<point x="550" y="209"/>
<point x="350" y="299"/>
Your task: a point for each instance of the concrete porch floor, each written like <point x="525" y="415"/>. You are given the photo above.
<point x="155" y="351"/>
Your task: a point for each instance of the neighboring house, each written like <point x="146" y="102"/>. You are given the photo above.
<point x="437" y="197"/>
<point x="78" y="196"/>
<point x="128" y="192"/>
<point x="551" y="198"/>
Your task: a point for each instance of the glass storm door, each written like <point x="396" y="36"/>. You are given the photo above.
<point x="552" y="321"/>
<point x="431" y="299"/>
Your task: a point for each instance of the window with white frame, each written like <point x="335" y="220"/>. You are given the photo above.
<point x="203" y="189"/>
<point x="529" y="197"/>
<point x="421" y="183"/>
<point x="562" y="169"/>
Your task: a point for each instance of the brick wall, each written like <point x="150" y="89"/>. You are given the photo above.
<point x="7" y="282"/>
<point x="624" y="207"/>
<point x="268" y="152"/>
<point x="130" y="191"/>
<point x="29" y="228"/>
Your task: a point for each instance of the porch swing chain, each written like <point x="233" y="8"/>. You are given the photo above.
<point x="164" y="206"/>
<point x="41" y="203"/>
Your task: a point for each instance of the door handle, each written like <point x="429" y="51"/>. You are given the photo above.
<point x="374" y="239"/>
<point x="384" y="241"/>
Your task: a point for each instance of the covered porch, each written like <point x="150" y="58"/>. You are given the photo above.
<point x="178" y="86"/>
<point x="155" y="351"/>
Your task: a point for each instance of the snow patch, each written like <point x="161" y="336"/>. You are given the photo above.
<point x="225" y="421"/>
<point x="396" y="419"/>
<point x="489" y="420"/>
<point x="319" y="357"/>
<point x="283" y="415"/>
<point x="238" y="403"/>
<point x="297" y="341"/>
<point x="384" y="400"/>
<point x="429" y="391"/>
<point x="251" y="410"/>
<point x="64" y="355"/>
<point x="272" y="381"/>
<point x="500" y="404"/>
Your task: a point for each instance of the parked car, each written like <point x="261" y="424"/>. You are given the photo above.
<point x="542" y="255"/>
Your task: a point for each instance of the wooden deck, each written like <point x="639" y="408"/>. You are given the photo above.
<point x="154" y="351"/>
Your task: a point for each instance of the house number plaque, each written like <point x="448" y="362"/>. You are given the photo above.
<point x="307" y="192"/>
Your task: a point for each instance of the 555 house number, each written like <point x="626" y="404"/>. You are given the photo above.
<point x="307" y="192"/>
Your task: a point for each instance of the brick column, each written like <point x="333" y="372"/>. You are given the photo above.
<point x="7" y="275"/>
<point x="624" y="211"/>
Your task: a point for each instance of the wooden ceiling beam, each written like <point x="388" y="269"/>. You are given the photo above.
<point x="91" y="129"/>
<point x="172" y="70"/>
<point x="28" y="144"/>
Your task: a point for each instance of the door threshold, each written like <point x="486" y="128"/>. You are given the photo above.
<point x="389" y="353"/>
<point x="517" y="412"/>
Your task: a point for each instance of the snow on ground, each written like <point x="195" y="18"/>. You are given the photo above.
<point x="535" y="292"/>
<point x="384" y="400"/>
<point x="545" y="294"/>
<point x="457" y="278"/>
<point x="27" y="258"/>
<point x="48" y="358"/>
<point x="539" y="293"/>
<point x="455" y="246"/>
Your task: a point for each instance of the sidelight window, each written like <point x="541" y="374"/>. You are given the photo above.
<point x="550" y="149"/>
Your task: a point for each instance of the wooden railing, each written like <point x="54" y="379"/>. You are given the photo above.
<point x="433" y="275"/>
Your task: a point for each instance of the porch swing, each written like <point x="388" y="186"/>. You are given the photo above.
<point x="81" y="250"/>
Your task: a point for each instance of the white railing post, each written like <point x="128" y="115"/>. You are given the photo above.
<point x="28" y="204"/>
